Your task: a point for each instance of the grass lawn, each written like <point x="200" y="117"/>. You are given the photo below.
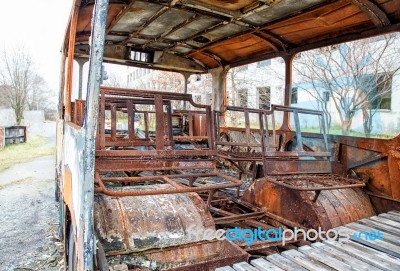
<point x="21" y="153"/>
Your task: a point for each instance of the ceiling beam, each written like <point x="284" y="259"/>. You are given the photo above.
<point x="166" y="33"/>
<point x="374" y="12"/>
<point x="258" y="35"/>
<point x="160" y="12"/>
<point x="283" y="43"/>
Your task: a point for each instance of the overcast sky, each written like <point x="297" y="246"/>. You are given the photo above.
<point x="39" y="26"/>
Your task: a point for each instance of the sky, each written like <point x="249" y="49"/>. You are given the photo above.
<point x="38" y="26"/>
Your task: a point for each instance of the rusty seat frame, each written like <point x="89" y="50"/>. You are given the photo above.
<point x="160" y="157"/>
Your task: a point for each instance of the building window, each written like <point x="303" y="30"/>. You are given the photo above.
<point x="141" y="56"/>
<point x="383" y="92"/>
<point x="243" y="97"/>
<point x="325" y="96"/>
<point x="264" y="63"/>
<point x="264" y="97"/>
<point x="294" y="95"/>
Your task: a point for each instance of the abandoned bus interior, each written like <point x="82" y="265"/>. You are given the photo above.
<point x="148" y="197"/>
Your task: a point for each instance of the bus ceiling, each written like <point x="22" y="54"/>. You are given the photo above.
<point x="198" y="35"/>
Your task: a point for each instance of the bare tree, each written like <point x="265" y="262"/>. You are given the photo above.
<point x="352" y="76"/>
<point x="22" y="83"/>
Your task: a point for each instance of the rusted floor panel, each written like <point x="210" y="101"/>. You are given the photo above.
<point x="354" y="254"/>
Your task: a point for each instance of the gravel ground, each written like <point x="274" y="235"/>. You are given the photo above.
<point x="28" y="217"/>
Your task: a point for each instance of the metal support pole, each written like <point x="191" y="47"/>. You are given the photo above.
<point x="81" y="62"/>
<point x="288" y="90"/>
<point x="219" y="88"/>
<point x="90" y="128"/>
<point x="186" y="76"/>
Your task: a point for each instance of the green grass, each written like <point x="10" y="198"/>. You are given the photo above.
<point x="336" y="130"/>
<point x="36" y="146"/>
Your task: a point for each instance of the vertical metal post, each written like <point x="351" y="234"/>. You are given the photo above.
<point x="81" y="62"/>
<point x="288" y="90"/>
<point x="160" y="123"/>
<point x="62" y="85"/>
<point x="186" y="77"/>
<point x="131" y="120"/>
<point x="168" y="127"/>
<point x="219" y="88"/>
<point x="113" y="122"/>
<point x="90" y="127"/>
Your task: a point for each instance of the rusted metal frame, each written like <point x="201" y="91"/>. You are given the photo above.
<point x="149" y="94"/>
<point x="335" y="187"/>
<point x="186" y="112"/>
<point x="201" y="33"/>
<point x="172" y="30"/>
<point x="319" y="44"/>
<point x="300" y="110"/>
<point x="372" y="194"/>
<point x="113" y="122"/>
<point x="119" y="16"/>
<point x="247" y="158"/>
<point x="191" y="138"/>
<point x="86" y="235"/>
<point x="115" y="165"/>
<point x="131" y="118"/>
<point x="157" y="177"/>
<point x="210" y="44"/>
<point x="168" y="126"/>
<point x="250" y="110"/>
<point x="154" y="153"/>
<point x="288" y="154"/>
<point x="177" y="187"/>
<point x="283" y="43"/>
<point x="215" y="57"/>
<point x="210" y="129"/>
<point x="247" y="221"/>
<point x="258" y="35"/>
<point x="70" y="62"/>
<point x="374" y="12"/>
<point x="243" y="144"/>
<point x="158" y="101"/>
<point x="130" y="143"/>
<point x="155" y="16"/>
<point x="209" y="199"/>
<point x="238" y="217"/>
<point x="367" y="161"/>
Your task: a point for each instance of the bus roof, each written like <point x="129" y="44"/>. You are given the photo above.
<point x="198" y="35"/>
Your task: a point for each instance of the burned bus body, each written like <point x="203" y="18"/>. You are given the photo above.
<point x="144" y="197"/>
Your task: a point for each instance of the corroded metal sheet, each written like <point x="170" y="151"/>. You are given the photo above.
<point x="331" y="209"/>
<point x="132" y="224"/>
